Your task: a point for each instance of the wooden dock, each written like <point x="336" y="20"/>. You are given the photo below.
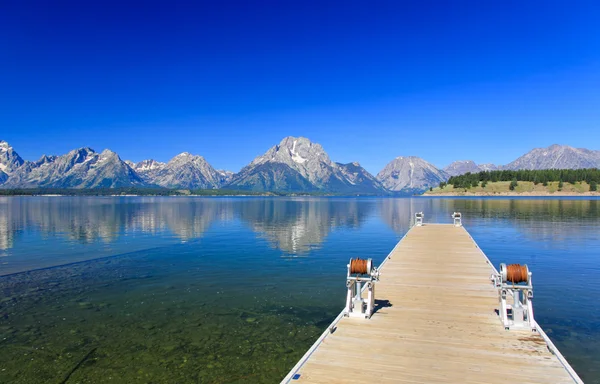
<point x="435" y="322"/>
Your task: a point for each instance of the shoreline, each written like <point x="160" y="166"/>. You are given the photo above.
<point x="513" y="194"/>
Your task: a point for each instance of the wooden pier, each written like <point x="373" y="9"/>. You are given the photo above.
<point x="435" y="321"/>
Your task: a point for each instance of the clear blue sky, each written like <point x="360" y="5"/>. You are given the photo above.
<point x="443" y="80"/>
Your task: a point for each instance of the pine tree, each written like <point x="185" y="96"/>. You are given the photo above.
<point x="513" y="184"/>
<point x="593" y="185"/>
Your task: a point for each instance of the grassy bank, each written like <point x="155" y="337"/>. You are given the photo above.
<point x="523" y="188"/>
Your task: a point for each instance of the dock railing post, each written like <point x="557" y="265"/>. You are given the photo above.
<point x="457" y="217"/>
<point x="419" y="219"/>
<point x="350" y="287"/>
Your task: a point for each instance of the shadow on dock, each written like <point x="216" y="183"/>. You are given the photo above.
<point x="381" y="304"/>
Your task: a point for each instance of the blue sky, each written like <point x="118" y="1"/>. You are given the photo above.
<point x="370" y="81"/>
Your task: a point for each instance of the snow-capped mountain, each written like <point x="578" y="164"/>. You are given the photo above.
<point x="297" y="164"/>
<point x="150" y="165"/>
<point x="557" y="156"/>
<point x="225" y="176"/>
<point x="410" y="174"/>
<point x="184" y="171"/>
<point x="147" y="169"/>
<point x="80" y="168"/>
<point x="9" y="159"/>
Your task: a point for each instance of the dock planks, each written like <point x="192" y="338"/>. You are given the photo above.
<point x="440" y="327"/>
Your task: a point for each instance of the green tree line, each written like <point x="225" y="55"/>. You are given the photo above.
<point x="544" y="176"/>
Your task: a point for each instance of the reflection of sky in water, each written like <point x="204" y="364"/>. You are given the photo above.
<point x="558" y="239"/>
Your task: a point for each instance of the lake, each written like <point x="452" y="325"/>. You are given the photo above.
<point x="235" y="290"/>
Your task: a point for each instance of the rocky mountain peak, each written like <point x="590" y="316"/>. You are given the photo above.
<point x="461" y="167"/>
<point x="300" y="154"/>
<point x="186" y="157"/>
<point x="410" y="174"/>
<point x="297" y="164"/>
<point x="488" y="167"/>
<point x="81" y="155"/>
<point x="557" y="156"/>
<point x="45" y="159"/>
<point x="185" y="170"/>
<point x="107" y="155"/>
<point x="108" y="152"/>
<point x="297" y="152"/>
<point x="9" y="159"/>
<point x="148" y="165"/>
<point x="4" y="146"/>
<point x="225" y="176"/>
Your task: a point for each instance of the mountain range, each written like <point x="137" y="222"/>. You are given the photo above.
<point x="294" y="165"/>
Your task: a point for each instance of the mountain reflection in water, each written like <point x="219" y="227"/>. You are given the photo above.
<point x="292" y="225"/>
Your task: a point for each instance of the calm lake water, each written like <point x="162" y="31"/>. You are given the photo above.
<point x="234" y="290"/>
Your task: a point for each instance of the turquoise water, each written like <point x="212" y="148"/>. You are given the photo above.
<point x="234" y="290"/>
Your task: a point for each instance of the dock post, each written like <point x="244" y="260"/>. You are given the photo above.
<point x="419" y="219"/>
<point x="457" y="217"/>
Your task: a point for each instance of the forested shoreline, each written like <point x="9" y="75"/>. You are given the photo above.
<point x="545" y="176"/>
